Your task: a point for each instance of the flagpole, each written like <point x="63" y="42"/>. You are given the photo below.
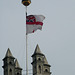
<point x="26" y="3"/>
<point x="26" y="49"/>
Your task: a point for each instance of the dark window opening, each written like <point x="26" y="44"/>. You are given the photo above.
<point x="10" y="70"/>
<point x="46" y="70"/>
<point x="39" y="59"/>
<point x="39" y="69"/>
<point x="10" y="62"/>
<point x="18" y="74"/>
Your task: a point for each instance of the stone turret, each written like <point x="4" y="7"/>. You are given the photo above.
<point x="9" y="65"/>
<point x="39" y="63"/>
<point x="18" y="69"/>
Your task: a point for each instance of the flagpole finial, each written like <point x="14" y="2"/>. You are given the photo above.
<point x="26" y="2"/>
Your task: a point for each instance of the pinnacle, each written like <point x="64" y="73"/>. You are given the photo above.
<point x="45" y="60"/>
<point x="17" y="64"/>
<point x="37" y="50"/>
<point x="8" y="53"/>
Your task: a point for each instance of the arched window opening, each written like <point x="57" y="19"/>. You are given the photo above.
<point x="39" y="69"/>
<point x="39" y="59"/>
<point x="46" y="70"/>
<point x="10" y="62"/>
<point x="18" y="74"/>
<point x="10" y="71"/>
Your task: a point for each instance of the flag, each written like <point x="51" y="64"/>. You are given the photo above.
<point x="34" y="22"/>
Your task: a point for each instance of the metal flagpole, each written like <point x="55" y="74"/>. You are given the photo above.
<point x="26" y="3"/>
<point x="26" y="49"/>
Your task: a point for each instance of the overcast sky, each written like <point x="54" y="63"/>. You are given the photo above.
<point x="56" y="40"/>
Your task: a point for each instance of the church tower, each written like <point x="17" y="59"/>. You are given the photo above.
<point x="39" y="63"/>
<point x="9" y="65"/>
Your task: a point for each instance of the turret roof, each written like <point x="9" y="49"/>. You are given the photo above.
<point x="8" y="53"/>
<point x="37" y="51"/>
<point x="45" y="60"/>
<point x="17" y="64"/>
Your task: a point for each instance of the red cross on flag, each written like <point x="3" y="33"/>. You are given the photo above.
<point x="34" y="22"/>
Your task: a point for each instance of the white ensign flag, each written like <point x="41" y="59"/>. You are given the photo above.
<point x="34" y="22"/>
